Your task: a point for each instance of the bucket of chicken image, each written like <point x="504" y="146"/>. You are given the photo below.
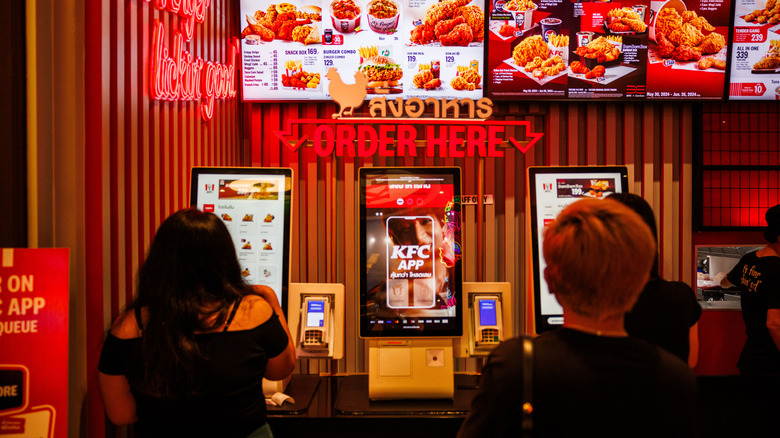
<point x="345" y="15"/>
<point x="522" y="12"/>
<point x="661" y="13"/>
<point x="383" y="15"/>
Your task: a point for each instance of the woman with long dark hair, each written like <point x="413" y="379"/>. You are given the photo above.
<point x="188" y="356"/>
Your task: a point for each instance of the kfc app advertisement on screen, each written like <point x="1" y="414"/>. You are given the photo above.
<point x="643" y="49"/>
<point x="412" y="247"/>
<point x="252" y="208"/>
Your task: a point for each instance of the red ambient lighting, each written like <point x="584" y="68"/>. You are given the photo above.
<point x="180" y="77"/>
<point x="191" y="12"/>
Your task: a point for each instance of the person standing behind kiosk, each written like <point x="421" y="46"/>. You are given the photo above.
<point x="188" y="356"/>
<point x="666" y="312"/>
<point x="590" y="378"/>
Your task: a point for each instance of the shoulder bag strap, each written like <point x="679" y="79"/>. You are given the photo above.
<point x="528" y="374"/>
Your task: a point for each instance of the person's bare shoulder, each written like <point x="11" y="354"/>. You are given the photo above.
<point x="125" y="326"/>
<point x="252" y="312"/>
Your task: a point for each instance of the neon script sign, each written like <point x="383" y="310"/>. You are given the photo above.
<point x="177" y="75"/>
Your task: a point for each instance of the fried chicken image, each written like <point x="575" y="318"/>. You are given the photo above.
<point x="460" y="83"/>
<point x="446" y="26"/>
<point x="422" y="77"/>
<point x="507" y="30"/>
<point x="599" y="49"/>
<point x="530" y="48"/>
<point x="471" y="75"/>
<point x="461" y="35"/>
<point x="712" y="43"/>
<point x="475" y="18"/>
<point x="753" y="15"/>
<point x="597" y="72"/>
<point x="257" y="28"/>
<point x="700" y="23"/>
<point x="665" y="47"/>
<point x="769" y="62"/>
<point x="686" y="35"/>
<point x="533" y="64"/>
<point x="709" y="61"/>
<point x="667" y="21"/>
<point x="553" y="66"/>
<point x="422" y="34"/>
<point x="579" y="68"/>
<point x="624" y="20"/>
<point x="433" y="83"/>
<point x="443" y="11"/>
<point x="686" y="53"/>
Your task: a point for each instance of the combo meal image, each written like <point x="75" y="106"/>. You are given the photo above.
<point x="283" y="21"/>
<point x="684" y="36"/>
<point x="382" y="72"/>
<point x="450" y="23"/>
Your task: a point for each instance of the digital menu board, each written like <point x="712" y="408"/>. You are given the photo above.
<point x="551" y="190"/>
<point x="410" y="252"/>
<point x="634" y="50"/>
<point x="255" y="205"/>
<point x="755" y="55"/>
<point x="360" y="49"/>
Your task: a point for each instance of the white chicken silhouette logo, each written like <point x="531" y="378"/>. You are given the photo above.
<point x="348" y="96"/>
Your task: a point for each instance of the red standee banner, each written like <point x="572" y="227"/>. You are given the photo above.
<point x="33" y="342"/>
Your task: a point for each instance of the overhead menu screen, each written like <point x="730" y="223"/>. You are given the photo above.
<point x="350" y="50"/>
<point x="619" y="50"/>
<point x="755" y="57"/>
<point x="551" y="190"/>
<point x="410" y="258"/>
<point x="254" y="204"/>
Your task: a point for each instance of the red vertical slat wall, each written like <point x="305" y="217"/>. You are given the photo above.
<point x="653" y="140"/>
<point x="139" y="150"/>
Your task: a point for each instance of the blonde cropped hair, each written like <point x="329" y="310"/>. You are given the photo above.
<point x="598" y="254"/>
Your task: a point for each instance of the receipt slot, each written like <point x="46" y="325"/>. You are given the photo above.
<point x="488" y="319"/>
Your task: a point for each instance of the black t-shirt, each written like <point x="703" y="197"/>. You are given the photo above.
<point x="585" y="386"/>
<point x="231" y="401"/>
<point x="664" y="314"/>
<point x="758" y="280"/>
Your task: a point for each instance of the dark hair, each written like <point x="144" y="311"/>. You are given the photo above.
<point x="641" y="207"/>
<point x="772" y="230"/>
<point x="190" y="274"/>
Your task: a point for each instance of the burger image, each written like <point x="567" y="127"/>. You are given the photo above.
<point x="381" y="71"/>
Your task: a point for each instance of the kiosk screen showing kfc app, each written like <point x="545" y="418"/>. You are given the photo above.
<point x="410" y="252"/>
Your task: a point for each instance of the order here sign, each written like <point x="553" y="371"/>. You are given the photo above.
<point x="33" y="342"/>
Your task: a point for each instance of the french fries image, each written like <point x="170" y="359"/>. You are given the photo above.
<point x="293" y="64"/>
<point x="559" y="40"/>
<point x="615" y="38"/>
<point x="368" y="52"/>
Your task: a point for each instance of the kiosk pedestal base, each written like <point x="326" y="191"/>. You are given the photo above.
<point x="410" y="369"/>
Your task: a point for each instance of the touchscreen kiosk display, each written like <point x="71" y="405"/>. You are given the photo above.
<point x="410" y="274"/>
<point x="552" y="189"/>
<point x="255" y="205"/>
